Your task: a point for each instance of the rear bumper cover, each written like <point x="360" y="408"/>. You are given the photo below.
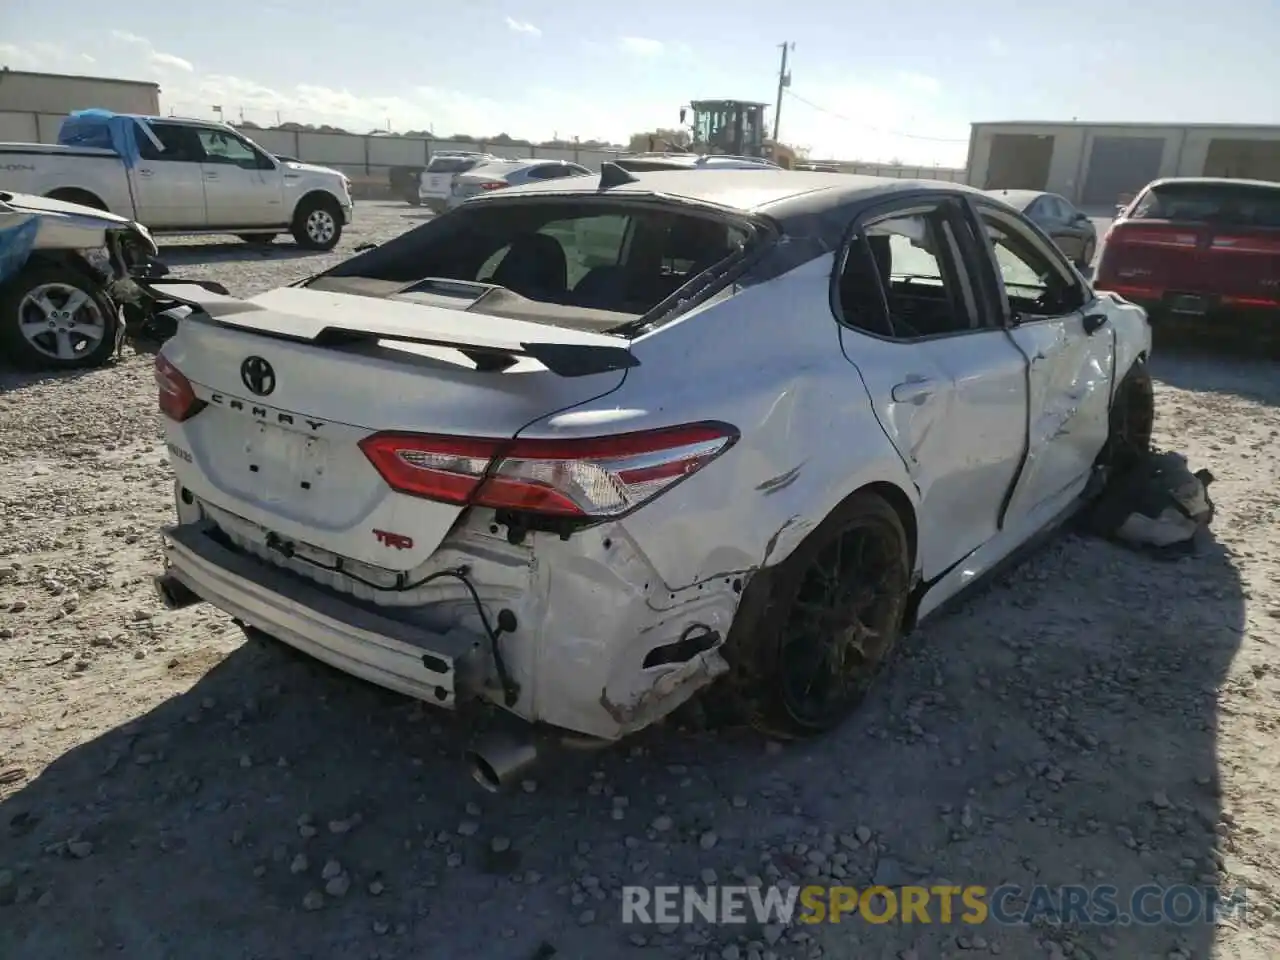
<point x="437" y="668"/>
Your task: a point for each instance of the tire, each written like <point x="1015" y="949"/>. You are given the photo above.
<point x="763" y="648"/>
<point x="317" y="223"/>
<point x="257" y="239"/>
<point x="1132" y="419"/>
<point x="38" y="346"/>
<point x="413" y="201"/>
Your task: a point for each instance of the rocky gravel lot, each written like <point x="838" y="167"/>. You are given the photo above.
<point x="169" y="789"/>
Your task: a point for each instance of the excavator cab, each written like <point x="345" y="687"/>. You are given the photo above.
<point x="728" y="127"/>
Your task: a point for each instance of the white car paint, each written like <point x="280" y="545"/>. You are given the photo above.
<point x="821" y="410"/>
<point x="178" y="196"/>
<point x="68" y="226"/>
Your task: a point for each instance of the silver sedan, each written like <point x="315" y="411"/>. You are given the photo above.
<point x="496" y="175"/>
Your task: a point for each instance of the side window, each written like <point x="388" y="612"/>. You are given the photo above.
<point x="1034" y="283"/>
<point x="551" y="171"/>
<point x="178" y="144"/>
<point x="220" y="147"/>
<point x="902" y="278"/>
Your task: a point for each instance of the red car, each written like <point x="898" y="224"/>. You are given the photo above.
<point x="1200" y="249"/>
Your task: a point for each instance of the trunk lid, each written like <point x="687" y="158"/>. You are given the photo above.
<point x="294" y="379"/>
<point x="1214" y="241"/>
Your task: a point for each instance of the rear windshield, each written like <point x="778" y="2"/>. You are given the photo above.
<point x="1237" y="204"/>
<point x="451" y="164"/>
<point x="605" y="255"/>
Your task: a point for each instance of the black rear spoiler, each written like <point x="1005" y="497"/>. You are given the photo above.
<point x="332" y="319"/>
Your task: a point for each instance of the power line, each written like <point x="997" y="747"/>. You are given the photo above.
<point x="867" y="126"/>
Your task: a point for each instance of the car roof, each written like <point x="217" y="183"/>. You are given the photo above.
<point x="1020" y="198"/>
<point x="777" y="192"/>
<point x="1214" y="182"/>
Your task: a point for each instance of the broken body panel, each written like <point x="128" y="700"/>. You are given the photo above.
<point x="603" y="626"/>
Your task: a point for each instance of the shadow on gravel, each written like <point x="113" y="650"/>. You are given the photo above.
<point x="1237" y="374"/>
<point x="13" y="380"/>
<point x="1059" y="729"/>
<point x="196" y="254"/>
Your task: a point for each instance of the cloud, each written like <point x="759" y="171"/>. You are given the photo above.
<point x="522" y="26"/>
<point x="876" y="108"/>
<point x="642" y="46"/>
<point x="159" y="62"/>
<point x="169" y="60"/>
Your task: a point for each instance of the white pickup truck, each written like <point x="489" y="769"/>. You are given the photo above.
<point x="181" y="176"/>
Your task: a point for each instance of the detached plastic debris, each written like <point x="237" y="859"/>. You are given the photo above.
<point x="1156" y="505"/>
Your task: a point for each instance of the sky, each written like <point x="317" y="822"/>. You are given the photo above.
<point x="873" y="81"/>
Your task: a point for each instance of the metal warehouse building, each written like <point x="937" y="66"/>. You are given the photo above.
<point x="1094" y="165"/>
<point x="53" y="93"/>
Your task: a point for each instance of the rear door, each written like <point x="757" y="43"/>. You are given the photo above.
<point x="947" y="384"/>
<point x="242" y="187"/>
<point x="168" y="182"/>
<point x="1070" y="369"/>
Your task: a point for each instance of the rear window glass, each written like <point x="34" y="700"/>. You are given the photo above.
<point x="1226" y="203"/>
<point x="595" y="255"/>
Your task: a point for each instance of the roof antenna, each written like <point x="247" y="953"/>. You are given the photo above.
<point x="612" y="175"/>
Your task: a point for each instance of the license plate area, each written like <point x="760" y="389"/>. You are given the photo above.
<point x="283" y="465"/>
<point x="1191" y="304"/>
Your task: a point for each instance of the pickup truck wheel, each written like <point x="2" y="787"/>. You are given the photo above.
<point x="813" y="632"/>
<point x="55" y="318"/>
<point x="317" y="225"/>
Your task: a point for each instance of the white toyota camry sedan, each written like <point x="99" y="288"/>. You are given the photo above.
<point x="583" y="448"/>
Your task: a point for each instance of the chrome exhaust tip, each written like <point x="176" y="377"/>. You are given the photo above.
<point x="497" y="761"/>
<point x="173" y="593"/>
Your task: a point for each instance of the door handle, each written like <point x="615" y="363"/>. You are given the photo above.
<point x="144" y="172"/>
<point x="211" y="176"/>
<point x="914" y="390"/>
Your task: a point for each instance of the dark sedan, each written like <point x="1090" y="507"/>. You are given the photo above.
<point x="1069" y="228"/>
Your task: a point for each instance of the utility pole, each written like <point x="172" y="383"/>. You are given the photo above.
<point x="784" y="81"/>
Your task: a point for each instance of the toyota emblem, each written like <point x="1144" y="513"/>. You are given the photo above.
<point x="257" y="375"/>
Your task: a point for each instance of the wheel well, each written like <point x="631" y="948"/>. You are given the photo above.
<point x="894" y="496"/>
<point x="319" y="197"/>
<point x="77" y="195"/>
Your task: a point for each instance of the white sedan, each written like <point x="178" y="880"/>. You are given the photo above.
<point x="584" y="448"/>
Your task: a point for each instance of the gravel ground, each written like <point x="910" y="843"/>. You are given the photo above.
<point x="168" y="789"/>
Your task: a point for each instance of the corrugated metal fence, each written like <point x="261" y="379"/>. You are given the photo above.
<point x="368" y="160"/>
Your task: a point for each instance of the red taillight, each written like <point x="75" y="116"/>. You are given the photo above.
<point x="492" y="185"/>
<point x="1152" y="236"/>
<point x="1246" y="244"/>
<point x="178" y="401"/>
<point x="588" y="477"/>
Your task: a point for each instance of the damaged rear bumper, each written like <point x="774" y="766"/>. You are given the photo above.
<point x="433" y="667"/>
<point x="603" y="648"/>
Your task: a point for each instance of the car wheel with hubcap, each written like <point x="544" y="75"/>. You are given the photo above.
<point x="813" y="633"/>
<point x="317" y="225"/>
<point x="56" y="318"/>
